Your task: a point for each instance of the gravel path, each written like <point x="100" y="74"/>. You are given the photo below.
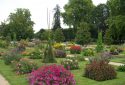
<point x="111" y="63"/>
<point x="3" y="81"/>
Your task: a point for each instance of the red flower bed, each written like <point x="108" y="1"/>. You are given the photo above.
<point x="75" y="49"/>
<point x="51" y="75"/>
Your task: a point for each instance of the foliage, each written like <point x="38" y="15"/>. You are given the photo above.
<point x="98" y="16"/>
<point x="113" y="50"/>
<point x="24" y="66"/>
<point x="40" y="34"/>
<point x="116" y="5"/>
<point x="3" y="43"/>
<point x="57" y="14"/>
<point x="58" y="35"/>
<point x="99" y="47"/>
<point x="80" y="58"/>
<point x="75" y="49"/>
<point x="69" y="34"/>
<point x="116" y="29"/>
<point x="116" y="22"/>
<point x="77" y="11"/>
<point x="60" y="54"/>
<point x="70" y="63"/>
<point x="83" y="35"/>
<point x="108" y="37"/>
<point x="19" y="24"/>
<point x="121" y="68"/>
<point x="11" y="56"/>
<point x="51" y="75"/>
<point x="100" y="70"/>
<point x="48" y="53"/>
<point x="88" y="52"/>
<point x="36" y="54"/>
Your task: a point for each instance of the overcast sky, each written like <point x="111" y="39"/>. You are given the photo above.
<point x="38" y="9"/>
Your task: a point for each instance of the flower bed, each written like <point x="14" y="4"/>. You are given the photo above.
<point x="51" y="75"/>
<point x="100" y="70"/>
<point x="60" y="53"/>
<point x="75" y="49"/>
<point x="24" y="66"/>
<point x="70" y="63"/>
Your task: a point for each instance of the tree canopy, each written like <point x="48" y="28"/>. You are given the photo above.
<point x="20" y="24"/>
<point x="56" y="22"/>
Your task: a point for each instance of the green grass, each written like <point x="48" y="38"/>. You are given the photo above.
<point x="22" y="79"/>
<point x="118" y="60"/>
<point x="13" y="79"/>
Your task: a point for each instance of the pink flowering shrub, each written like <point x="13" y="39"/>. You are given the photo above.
<point x="51" y="75"/>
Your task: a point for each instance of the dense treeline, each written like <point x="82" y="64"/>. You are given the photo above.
<point x="83" y="18"/>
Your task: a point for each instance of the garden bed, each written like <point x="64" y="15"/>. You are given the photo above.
<point x="15" y="79"/>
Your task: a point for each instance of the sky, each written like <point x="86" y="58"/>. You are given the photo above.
<point x="38" y="9"/>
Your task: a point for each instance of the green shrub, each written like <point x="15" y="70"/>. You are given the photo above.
<point x="24" y="66"/>
<point x="11" y="56"/>
<point x="121" y="68"/>
<point x="37" y="54"/>
<point x="70" y="63"/>
<point x="49" y="54"/>
<point x="58" y="35"/>
<point x="113" y="50"/>
<point x="3" y="43"/>
<point x="80" y="58"/>
<point x="99" y="70"/>
<point x="99" y="47"/>
<point x="88" y="52"/>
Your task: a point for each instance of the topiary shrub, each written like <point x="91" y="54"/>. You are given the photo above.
<point x="99" y="70"/>
<point x="60" y="54"/>
<point x="24" y="66"/>
<point x="75" y="49"/>
<point x="70" y="63"/>
<point x="99" y="47"/>
<point x="121" y="68"/>
<point x="51" y="75"/>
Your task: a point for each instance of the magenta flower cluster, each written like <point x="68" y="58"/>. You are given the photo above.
<point x="51" y="75"/>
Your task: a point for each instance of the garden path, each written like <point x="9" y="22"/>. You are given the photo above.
<point x="111" y="63"/>
<point x="3" y="81"/>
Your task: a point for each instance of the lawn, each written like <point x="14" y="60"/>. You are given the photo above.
<point x="119" y="59"/>
<point x="14" y="79"/>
